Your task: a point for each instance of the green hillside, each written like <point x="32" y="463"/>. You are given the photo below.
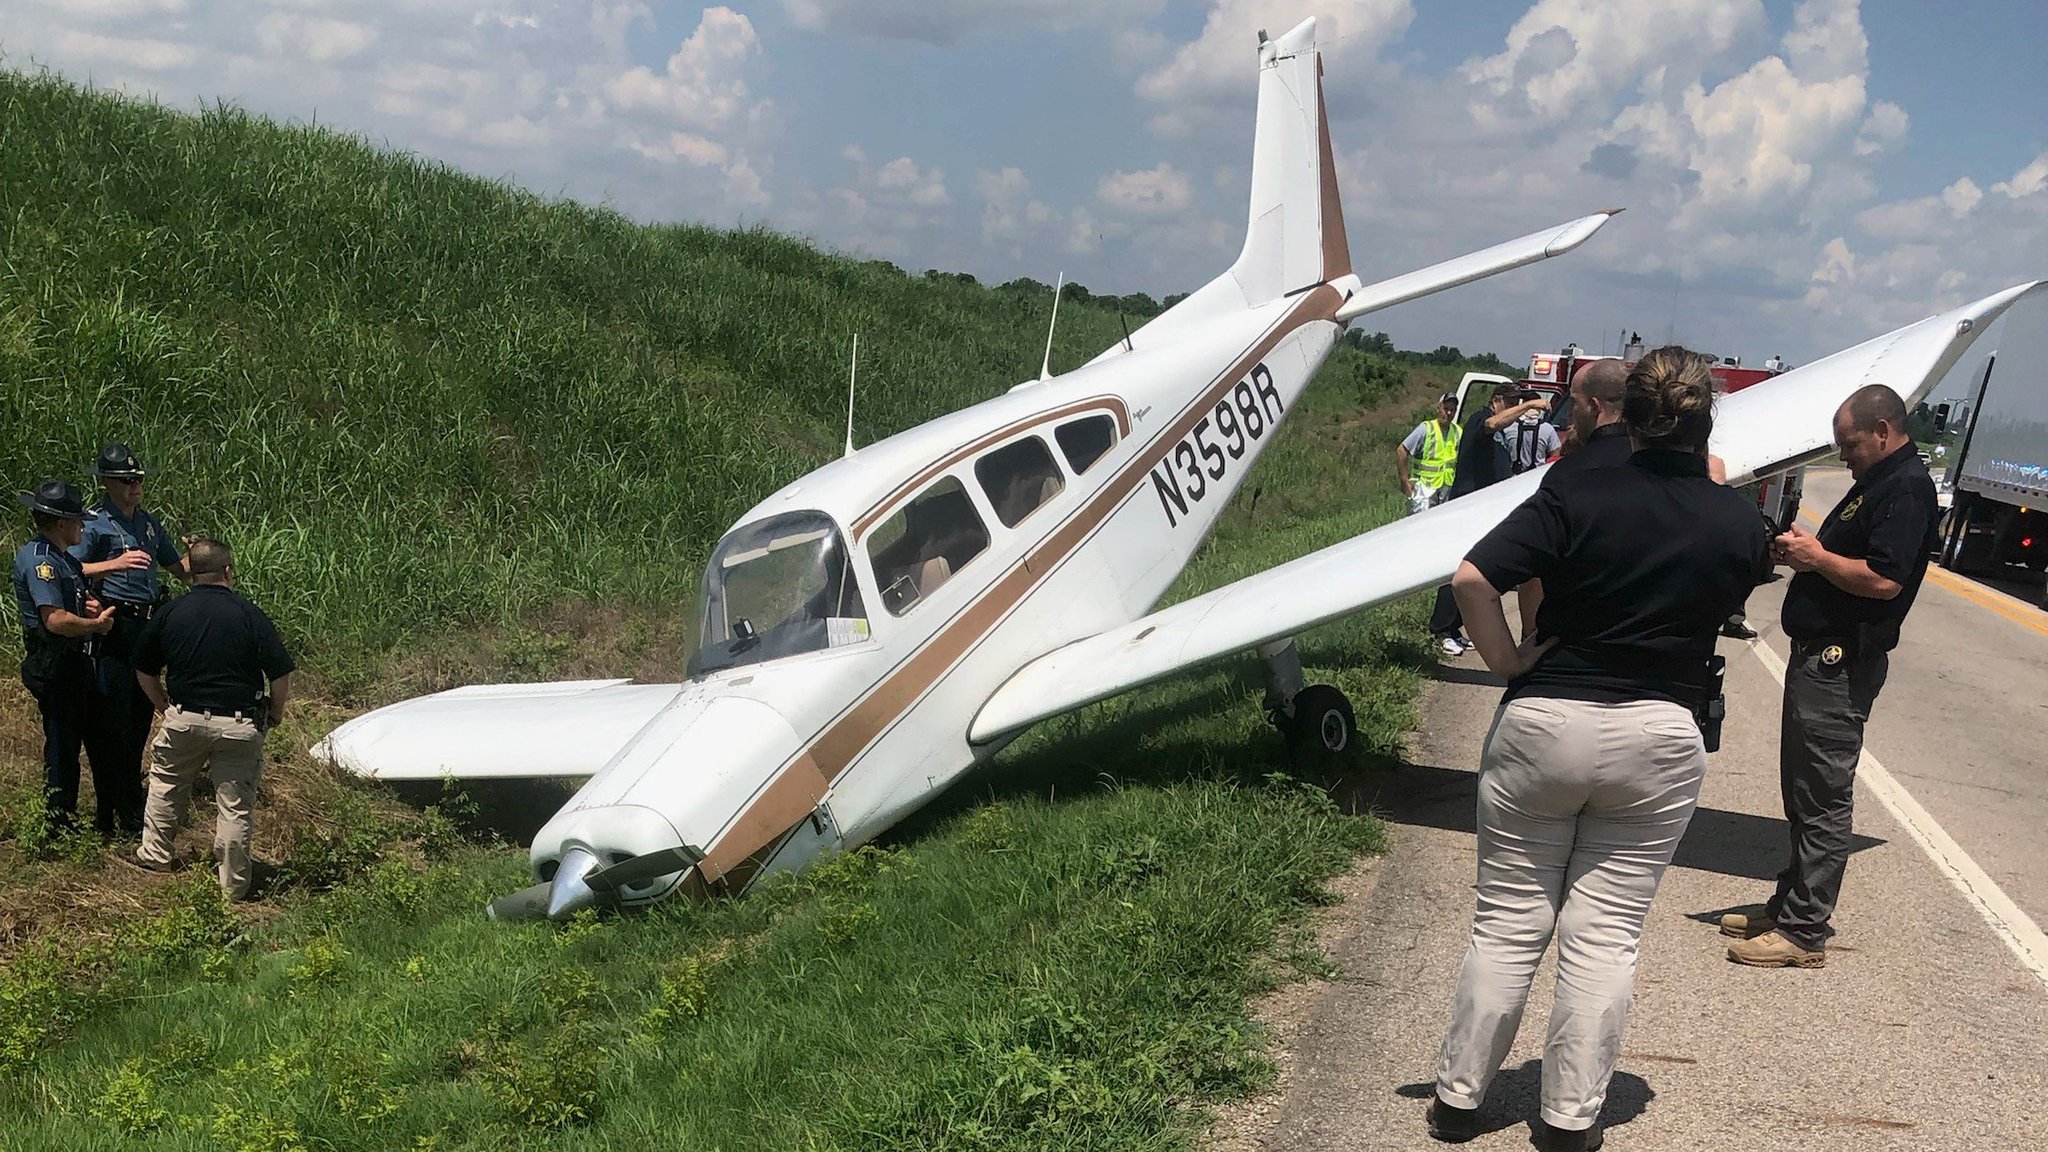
<point x="437" y="414"/>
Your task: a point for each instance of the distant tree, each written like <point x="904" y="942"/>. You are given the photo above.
<point x="1025" y="285"/>
<point x="1138" y="304"/>
<point x="964" y="278"/>
<point x="1170" y="301"/>
<point x="1075" y="293"/>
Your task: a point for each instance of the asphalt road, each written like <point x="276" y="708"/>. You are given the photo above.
<point x="1925" y="1031"/>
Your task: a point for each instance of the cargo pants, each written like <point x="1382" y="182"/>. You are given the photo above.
<point x="1829" y="689"/>
<point x="229" y="748"/>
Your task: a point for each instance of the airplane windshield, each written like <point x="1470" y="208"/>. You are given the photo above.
<point x="775" y="588"/>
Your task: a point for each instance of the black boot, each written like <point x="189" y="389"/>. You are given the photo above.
<point x="1450" y="1123"/>
<point x="1550" y="1139"/>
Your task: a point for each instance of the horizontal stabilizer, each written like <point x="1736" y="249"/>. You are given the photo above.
<point x="497" y="731"/>
<point x="1476" y="266"/>
<point x="1766" y="428"/>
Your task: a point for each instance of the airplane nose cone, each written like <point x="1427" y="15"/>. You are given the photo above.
<point x="570" y="891"/>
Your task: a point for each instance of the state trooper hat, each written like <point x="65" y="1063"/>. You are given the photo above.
<point x="55" y="498"/>
<point x="117" y="461"/>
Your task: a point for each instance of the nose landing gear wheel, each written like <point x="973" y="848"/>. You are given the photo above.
<point x="1322" y="727"/>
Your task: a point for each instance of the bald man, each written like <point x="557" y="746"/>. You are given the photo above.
<point x="1854" y="583"/>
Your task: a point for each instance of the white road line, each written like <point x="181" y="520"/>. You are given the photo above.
<point x="2012" y="925"/>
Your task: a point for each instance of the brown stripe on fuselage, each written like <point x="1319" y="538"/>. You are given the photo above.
<point x="875" y="515"/>
<point x="782" y="804"/>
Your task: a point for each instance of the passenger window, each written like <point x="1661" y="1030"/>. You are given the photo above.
<point x="924" y="544"/>
<point x="1017" y="478"/>
<point x="1085" y="440"/>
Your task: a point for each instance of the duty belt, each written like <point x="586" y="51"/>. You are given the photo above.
<point x="133" y="609"/>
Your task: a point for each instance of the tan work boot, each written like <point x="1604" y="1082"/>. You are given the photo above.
<point x="1747" y="921"/>
<point x="1771" y="950"/>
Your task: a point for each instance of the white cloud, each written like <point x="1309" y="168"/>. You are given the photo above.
<point x="703" y="82"/>
<point x="1564" y="55"/>
<point x="1962" y="197"/>
<point x="144" y="54"/>
<point x="1214" y="71"/>
<point x="1154" y="191"/>
<point x="2027" y="181"/>
<point x="313" y="38"/>
<point x="953" y="20"/>
<point x="920" y="187"/>
<point x="1886" y="126"/>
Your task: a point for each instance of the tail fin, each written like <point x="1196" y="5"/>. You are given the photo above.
<point x="1296" y="236"/>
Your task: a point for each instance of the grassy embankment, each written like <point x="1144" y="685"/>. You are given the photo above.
<point x="437" y="415"/>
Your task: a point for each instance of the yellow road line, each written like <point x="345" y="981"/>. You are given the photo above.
<point x="2013" y="610"/>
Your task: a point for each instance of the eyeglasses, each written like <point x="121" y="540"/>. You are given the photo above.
<point x="122" y="479"/>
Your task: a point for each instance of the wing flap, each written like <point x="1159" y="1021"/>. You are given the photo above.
<point x="1770" y="426"/>
<point x="497" y="731"/>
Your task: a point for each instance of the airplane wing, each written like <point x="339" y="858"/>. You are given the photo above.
<point x="1762" y="430"/>
<point x="497" y="731"/>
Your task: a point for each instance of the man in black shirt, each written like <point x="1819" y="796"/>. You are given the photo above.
<point x="1596" y="421"/>
<point x="1854" y="584"/>
<point x="1480" y="464"/>
<point x="203" y="662"/>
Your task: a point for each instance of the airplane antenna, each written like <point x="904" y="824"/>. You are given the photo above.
<point x="852" y="374"/>
<point x="1045" y="367"/>
<point x="1103" y="245"/>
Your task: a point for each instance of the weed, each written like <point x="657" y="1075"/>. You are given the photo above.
<point x="321" y="962"/>
<point x="129" y="1101"/>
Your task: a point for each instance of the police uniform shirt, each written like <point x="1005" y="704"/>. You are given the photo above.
<point x="1608" y="446"/>
<point x="217" y="647"/>
<point x="108" y="534"/>
<point x="1640" y="565"/>
<point x="45" y="576"/>
<point x="1889" y="520"/>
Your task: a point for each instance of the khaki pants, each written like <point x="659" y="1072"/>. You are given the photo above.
<point x="231" y="752"/>
<point x="1581" y="807"/>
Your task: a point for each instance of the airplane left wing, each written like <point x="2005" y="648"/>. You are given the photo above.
<point x="1762" y="430"/>
<point x="497" y="731"/>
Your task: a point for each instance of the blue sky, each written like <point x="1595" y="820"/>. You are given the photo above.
<point x="1800" y="174"/>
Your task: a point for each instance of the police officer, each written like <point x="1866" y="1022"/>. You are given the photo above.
<point x="121" y="550"/>
<point x="58" y="620"/>
<point x="213" y="663"/>
<point x="1431" y="451"/>
<point x="1853" y="586"/>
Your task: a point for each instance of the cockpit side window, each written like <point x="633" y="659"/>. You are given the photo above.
<point x="925" y="543"/>
<point x="1017" y="478"/>
<point x="1084" y="441"/>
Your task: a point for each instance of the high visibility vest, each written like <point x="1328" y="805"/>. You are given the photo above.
<point x="1438" y="464"/>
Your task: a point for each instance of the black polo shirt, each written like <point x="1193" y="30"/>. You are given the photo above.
<point x="1640" y="563"/>
<point x="214" y="649"/>
<point x="1890" y="521"/>
<point x="1607" y="446"/>
<point x="1478" y="465"/>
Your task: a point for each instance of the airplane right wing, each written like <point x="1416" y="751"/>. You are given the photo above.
<point x="1762" y="430"/>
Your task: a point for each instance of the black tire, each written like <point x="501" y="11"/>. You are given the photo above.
<point x="1323" y="727"/>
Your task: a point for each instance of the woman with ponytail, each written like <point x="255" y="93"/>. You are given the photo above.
<point x="1593" y="766"/>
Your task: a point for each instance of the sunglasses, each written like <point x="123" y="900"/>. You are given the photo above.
<point x="122" y="479"/>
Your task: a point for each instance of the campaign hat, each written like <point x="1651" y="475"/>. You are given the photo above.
<point x="55" y="498"/>
<point x="117" y="462"/>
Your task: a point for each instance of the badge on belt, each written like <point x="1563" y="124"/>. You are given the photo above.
<point x="1831" y="655"/>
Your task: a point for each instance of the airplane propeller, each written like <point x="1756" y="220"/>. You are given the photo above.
<point x="578" y="883"/>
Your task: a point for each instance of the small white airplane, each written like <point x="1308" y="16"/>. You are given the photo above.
<point x="872" y="631"/>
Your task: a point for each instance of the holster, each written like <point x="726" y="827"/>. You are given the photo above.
<point x="1713" y="705"/>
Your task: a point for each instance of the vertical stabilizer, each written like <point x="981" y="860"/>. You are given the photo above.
<point x="1295" y="239"/>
